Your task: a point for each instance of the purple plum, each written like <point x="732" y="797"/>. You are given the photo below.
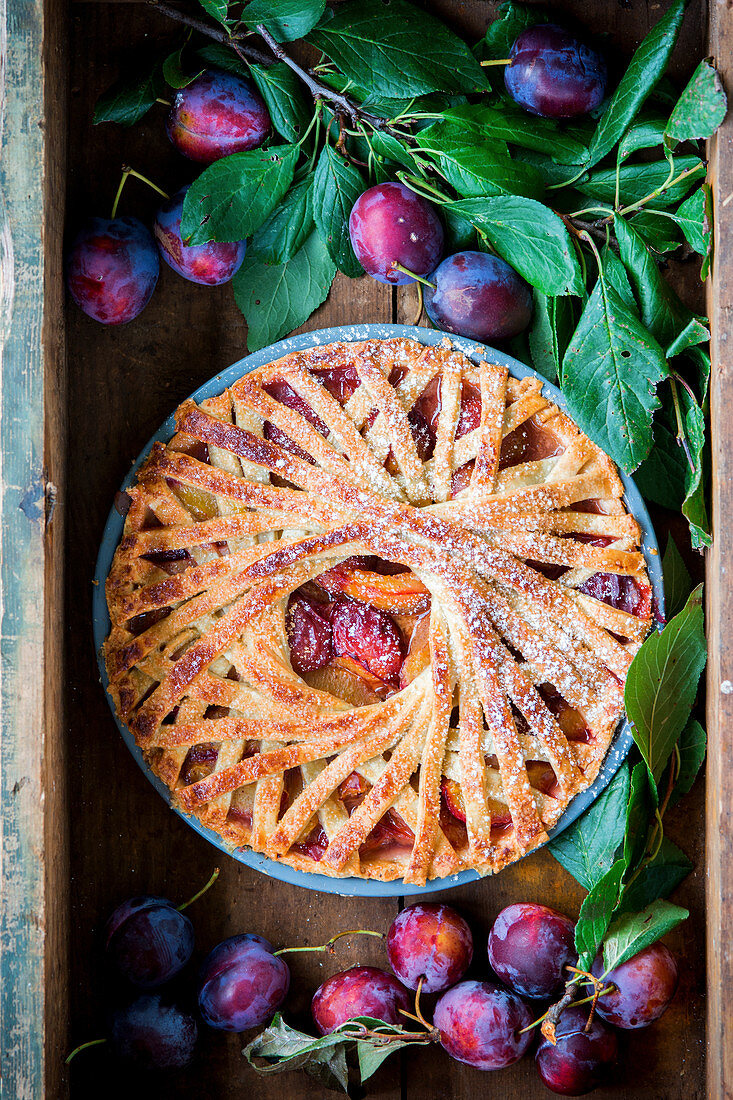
<point x="478" y="296"/>
<point x="580" y="1060"/>
<point x="429" y="941"/>
<point x="217" y="114"/>
<point x="390" y="224"/>
<point x="154" y="1034"/>
<point x="360" y="991"/>
<point x="112" y="267"/>
<point x="529" y="948"/>
<point x="483" y="1025"/>
<point x="644" y="985"/>
<point x="148" y="940"/>
<point x="242" y="983"/>
<point x="553" y="74"/>
<point x="210" y="264"/>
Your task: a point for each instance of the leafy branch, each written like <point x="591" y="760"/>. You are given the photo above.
<point x="397" y="95"/>
<point x="617" y="850"/>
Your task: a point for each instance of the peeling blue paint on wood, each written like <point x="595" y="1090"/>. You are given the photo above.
<point x="22" y="558"/>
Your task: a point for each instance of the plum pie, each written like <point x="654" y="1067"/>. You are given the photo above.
<point x="373" y="609"/>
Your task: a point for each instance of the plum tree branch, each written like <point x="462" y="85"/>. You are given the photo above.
<point x="344" y="104"/>
<point x="243" y="49"/>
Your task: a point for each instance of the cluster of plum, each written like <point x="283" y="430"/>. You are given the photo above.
<point x="113" y="264"/>
<point x="487" y="1024"/>
<point x="397" y="235"/>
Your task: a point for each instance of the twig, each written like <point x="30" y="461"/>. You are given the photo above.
<point x="578" y="226"/>
<point x="243" y="49"/>
<point x="345" y="105"/>
<point x="681" y="437"/>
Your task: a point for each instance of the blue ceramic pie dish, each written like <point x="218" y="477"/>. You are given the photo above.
<point x="352" y="887"/>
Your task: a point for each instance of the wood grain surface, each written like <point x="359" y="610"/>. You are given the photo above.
<point x="34" y="874"/>
<point x="123" y="839"/>
<point x="720" y="598"/>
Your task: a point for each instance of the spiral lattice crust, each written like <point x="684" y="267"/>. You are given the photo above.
<point x="507" y="563"/>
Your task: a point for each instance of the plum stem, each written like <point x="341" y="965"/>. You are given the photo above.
<point x="567" y="183"/>
<point x="418" y="1011"/>
<point x="669" y="182"/>
<point x="417" y="1015"/>
<point x="413" y="183"/>
<point x="583" y="1001"/>
<point x="328" y="945"/>
<point x="83" y="1046"/>
<point x="394" y="266"/>
<point x="501" y="61"/>
<point x="681" y="437"/>
<point x="212" y="880"/>
<point x="126" y="173"/>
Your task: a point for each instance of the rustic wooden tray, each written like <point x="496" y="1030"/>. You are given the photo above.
<point x="81" y="828"/>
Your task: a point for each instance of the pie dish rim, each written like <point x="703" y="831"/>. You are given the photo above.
<point x="358" y="887"/>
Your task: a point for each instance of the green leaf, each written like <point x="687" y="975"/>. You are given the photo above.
<point x="530" y="237"/>
<point x="661" y="310"/>
<point x="662" y="681"/>
<point x="639" y="810"/>
<point x="127" y="101"/>
<point x="233" y="196"/>
<point x="459" y="233"/>
<point x="336" y="187"/>
<point x="501" y="34"/>
<point x="694" y="217"/>
<point x="391" y="148"/>
<point x="275" y="299"/>
<point x="639" y="180"/>
<point x="222" y="57"/>
<point x="287" y="228"/>
<point x="692" y="746"/>
<point x="280" y="1048"/>
<point x="677" y="580"/>
<point x="281" y="91"/>
<point x="175" y="73"/>
<point x="286" y="20"/>
<point x="632" y="932"/>
<point x="520" y="128"/>
<point x="660" y="232"/>
<point x="667" y="476"/>
<point x="610" y="373"/>
<point x="615" y="273"/>
<point x="475" y="168"/>
<point x="646" y="133"/>
<point x="550" y="332"/>
<point x="397" y="50"/>
<point x="549" y="169"/>
<point x="588" y="847"/>
<point x="645" y="69"/>
<point x="217" y="9"/>
<point x="595" y="914"/>
<point x="657" y="879"/>
<point x="694" y="507"/>
<point x="700" y="109"/>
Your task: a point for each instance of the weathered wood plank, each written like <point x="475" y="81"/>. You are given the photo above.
<point x="34" y="875"/>
<point x="720" y="595"/>
<point x="123" y="838"/>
